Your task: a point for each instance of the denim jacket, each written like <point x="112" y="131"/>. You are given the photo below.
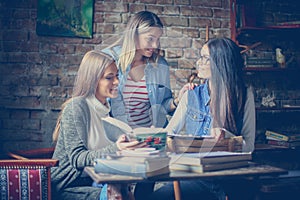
<point x="198" y="119"/>
<point x="193" y="112"/>
<point x="158" y="87"/>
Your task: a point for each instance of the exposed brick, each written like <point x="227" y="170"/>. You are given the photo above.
<point x="17" y="58"/>
<point x="32" y="124"/>
<point x="207" y="3"/>
<point x="11" y="46"/>
<point x="157" y="9"/>
<point x="112" y="18"/>
<point x="37" y="72"/>
<point x="164" y="2"/>
<point x="13" y="124"/>
<point x="191" y="53"/>
<point x="174" y="53"/>
<point x="49" y="47"/>
<point x="191" y="32"/>
<point x="186" y="64"/>
<point x="149" y="1"/>
<point x="196" y="12"/>
<point x="19" y="114"/>
<point x="67" y="81"/>
<point x="177" y="42"/>
<point x="221" y="13"/>
<point x="37" y="114"/>
<point x="15" y="35"/>
<point x="29" y="46"/>
<point x="181" y="2"/>
<point x="55" y="103"/>
<point x="171" y="10"/>
<point x="110" y="7"/>
<point x="134" y="8"/>
<point x="175" y="21"/>
<point x="63" y="49"/>
<point x="200" y="22"/>
<point x="105" y="28"/>
<point x="98" y="17"/>
<point x="83" y="48"/>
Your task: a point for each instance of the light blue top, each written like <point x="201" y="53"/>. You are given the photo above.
<point x="157" y="76"/>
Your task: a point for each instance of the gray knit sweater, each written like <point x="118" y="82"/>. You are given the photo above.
<point x="72" y="152"/>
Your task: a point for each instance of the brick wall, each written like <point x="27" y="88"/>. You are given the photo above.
<point x="37" y="72"/>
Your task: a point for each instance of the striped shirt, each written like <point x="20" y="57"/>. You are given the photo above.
<point x="137" y="104"/>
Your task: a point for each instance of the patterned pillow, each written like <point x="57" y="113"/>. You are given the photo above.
<point x="24" y="183"/>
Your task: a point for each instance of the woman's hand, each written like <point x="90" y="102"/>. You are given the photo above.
<point x="124" y="143"/>
<point x="188" y="86"/>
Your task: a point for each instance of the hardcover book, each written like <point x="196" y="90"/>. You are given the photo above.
<point x="214" y="157"/>
<point x="282" y="136"/>
<point x="146" y="167"/>
<point x="192" y="144"/>
<point x="293" y="144"/>
<point x="207" y="167"/>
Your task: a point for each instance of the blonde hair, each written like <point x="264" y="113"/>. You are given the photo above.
<point x="138" y="24"/>
<point x="90" y="71"/>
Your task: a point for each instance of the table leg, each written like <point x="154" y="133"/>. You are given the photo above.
<point x="177" y="192"/>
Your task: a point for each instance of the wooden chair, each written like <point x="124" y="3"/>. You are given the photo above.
<point x="27" y="177"/>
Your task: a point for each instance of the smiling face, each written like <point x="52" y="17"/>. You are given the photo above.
<point x="149" y="41"/>
<point x="203" y="64"/>
<point x="108" y="84"/>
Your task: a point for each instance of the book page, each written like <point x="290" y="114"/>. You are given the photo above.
<point x="145" y="130"/>
<point x="118" y="123"/>
<point x="127" y="129"/>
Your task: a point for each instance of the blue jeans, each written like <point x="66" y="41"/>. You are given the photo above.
<point x="103" y="194"/>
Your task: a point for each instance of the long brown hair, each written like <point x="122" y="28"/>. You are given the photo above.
<point x="90" y="71"/>
<point x="228" y="90"/>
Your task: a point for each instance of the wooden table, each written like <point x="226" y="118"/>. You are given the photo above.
<point x="253" y="171"/>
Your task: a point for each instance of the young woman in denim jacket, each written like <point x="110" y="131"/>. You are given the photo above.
<point x="137" y="54"/>
<point x="222" y="101"/>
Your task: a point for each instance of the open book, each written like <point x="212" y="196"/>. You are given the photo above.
<point x="125" y="128"/>
<point x="155" y="137"/>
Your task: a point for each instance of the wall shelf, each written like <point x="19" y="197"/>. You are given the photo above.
<point x="291" y="108"/>
<point x="271" y="69"/>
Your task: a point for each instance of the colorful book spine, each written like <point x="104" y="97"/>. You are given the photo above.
<point x="284" y="143"/>
<point x="282" y="136"/>
<point x="276" y="135"/>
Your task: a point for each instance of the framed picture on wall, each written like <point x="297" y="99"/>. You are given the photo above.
<point x="68" y="18"/>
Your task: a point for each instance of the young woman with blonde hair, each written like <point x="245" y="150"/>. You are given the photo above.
<point x="145" y="97"/>
<point x="80" y="136"/>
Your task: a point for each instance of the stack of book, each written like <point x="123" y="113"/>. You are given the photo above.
<point x="259" y="62"/>
<point x="208" y="161"/>
<point x="283" y="139"/>
<point x="193" y="144"/>
<point x="142" y="163"/>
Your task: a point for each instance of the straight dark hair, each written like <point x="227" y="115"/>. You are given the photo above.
<point x="228" y="89"/>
